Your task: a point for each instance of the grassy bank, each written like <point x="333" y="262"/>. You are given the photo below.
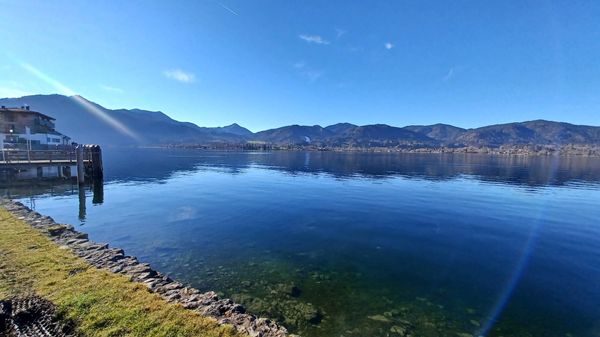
<point x="101" y="303"/>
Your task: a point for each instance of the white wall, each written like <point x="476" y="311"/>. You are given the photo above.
<point x="41" y="137"/>
<point x="47" y="172"/>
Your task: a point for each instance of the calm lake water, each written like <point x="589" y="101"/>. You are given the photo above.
<point x="334" y="244"/>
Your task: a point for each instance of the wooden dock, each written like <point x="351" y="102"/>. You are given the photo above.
<point x="87" y="159"/>
<point x="24" y="157"/>
<point x="41" y="162"/>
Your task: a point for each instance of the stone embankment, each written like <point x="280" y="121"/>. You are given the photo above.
<point x="225" y="311"/>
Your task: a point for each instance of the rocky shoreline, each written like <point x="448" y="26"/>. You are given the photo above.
<point x="99" y="255"/>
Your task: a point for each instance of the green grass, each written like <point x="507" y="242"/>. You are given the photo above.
<point x="100" y="303"/>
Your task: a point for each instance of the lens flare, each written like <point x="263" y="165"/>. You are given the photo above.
<point x="519" y="269"/>
<point x="88" y="106"/>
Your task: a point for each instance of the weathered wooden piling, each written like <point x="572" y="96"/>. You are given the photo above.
<point x="97" y="169"/>
<point x="80" y="167"/>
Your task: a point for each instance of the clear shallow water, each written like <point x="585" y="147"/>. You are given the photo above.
<point x="361" y="244"/>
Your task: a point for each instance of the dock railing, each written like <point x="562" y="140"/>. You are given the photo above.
<point x="62" y="156"/>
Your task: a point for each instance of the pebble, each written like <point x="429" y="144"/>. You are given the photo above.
<point x="379" y="318"/>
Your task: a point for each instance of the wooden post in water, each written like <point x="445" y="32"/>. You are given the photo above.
<point x="81" y="202"/>
<point x="80" y="167"/>
<point x="98" y="192"/>
<point x="97" y="171"/>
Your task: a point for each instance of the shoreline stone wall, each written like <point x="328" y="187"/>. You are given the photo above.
<point x="99" y="255"/>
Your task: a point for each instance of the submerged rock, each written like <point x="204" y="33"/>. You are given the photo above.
<point x="398" y="330"/>
<point x="379" y="318"/>
<point x="295" y="291"/>
<point x="282" y="301"/>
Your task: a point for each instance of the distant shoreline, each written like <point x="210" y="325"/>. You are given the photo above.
<point x="526" y="150"/>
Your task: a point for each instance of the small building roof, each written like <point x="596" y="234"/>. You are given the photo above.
<point x="25" y="110"/>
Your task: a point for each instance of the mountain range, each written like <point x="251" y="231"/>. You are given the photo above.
<point x="86" y="122"/>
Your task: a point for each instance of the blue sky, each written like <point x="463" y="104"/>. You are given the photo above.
<point x="265" y="64"/>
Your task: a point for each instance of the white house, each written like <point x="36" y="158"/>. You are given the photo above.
<point x="26" y="129"/>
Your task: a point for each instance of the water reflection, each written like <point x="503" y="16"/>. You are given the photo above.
<point x="156" y="164"/>
<point x="81" y="192"/>
<point x="98" y="192"/>
<point x="159" y="165"/>
<point x="56" y="188"/>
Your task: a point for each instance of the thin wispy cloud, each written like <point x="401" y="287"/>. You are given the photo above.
<point x="453" y="72"/>
<point x="227" y="8"/>
<point x="180" y="75"/>
<point x="339" y="32"/>
<point x="448" y="75"/>
<point x="111" y="89"/>
<point x="388" y="45"/>
<point x="313" y="39"/>
<point x="307" y="72"/>
<point x="299" y="64"/>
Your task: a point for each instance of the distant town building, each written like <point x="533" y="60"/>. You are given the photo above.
<point x="23" y="128"/>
